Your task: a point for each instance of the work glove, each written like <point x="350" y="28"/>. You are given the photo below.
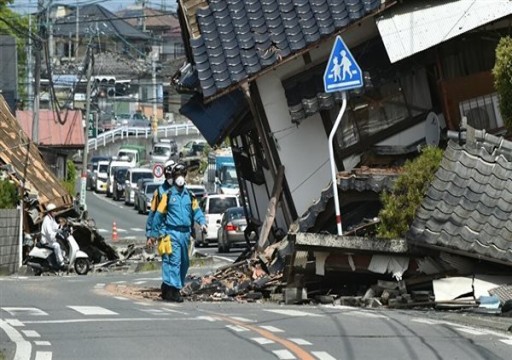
<point x="164" y="246"/>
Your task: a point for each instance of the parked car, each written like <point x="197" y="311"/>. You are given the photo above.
<point x="119" y="182"/>
<point x="91" y="167"/>
<point x="132" y="176"/>
<point x="186" y="150"/>
<point x="231" y="230"/>
<point x="213" y="207"/>
<point x="145" y="195"/>
<point x="139" y="189"/>
<point x="101" y="176"/>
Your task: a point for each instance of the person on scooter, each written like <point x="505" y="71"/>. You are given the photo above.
<point x="49" y="229"/>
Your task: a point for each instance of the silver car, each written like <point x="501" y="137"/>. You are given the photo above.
<point x="231" y="230"/>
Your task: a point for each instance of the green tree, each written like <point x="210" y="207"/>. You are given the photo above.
<point x="8" y="195"/>
<point x="503" y="79"/>
<point x="399" y="206"/>
<point x="70" y="182"/>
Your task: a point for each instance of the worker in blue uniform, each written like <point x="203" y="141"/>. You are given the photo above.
<point x="172" y="224"/>
<point x="157" y="195"/>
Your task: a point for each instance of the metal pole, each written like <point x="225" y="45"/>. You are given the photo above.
<point x="333" y="163"/>
<point x="37" y="78"/>
<point x="153" y="80"/>
<point x="77" y="38"/>
<point x="90" y="63"/>
<point x="30" y="85"/>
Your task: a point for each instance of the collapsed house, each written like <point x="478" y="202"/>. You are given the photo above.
<point x="255" y="71"/>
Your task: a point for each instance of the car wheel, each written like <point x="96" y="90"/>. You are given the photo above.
<point x="220" y="249"/>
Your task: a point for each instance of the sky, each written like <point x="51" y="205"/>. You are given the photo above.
<point x="30" y="6"/>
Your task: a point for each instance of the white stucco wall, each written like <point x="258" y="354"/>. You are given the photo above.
<point x="302" y="149"/>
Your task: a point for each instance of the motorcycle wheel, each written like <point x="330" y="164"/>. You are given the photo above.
<point x="82" y="266"/>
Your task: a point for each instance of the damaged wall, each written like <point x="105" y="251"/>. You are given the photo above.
<point x="40" y="179"/>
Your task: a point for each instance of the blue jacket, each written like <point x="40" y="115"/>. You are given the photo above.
<point x="157" y="195"/>
<point x="178" y="209"/>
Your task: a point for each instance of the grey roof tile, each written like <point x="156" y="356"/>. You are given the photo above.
<point x="218" y="5"/>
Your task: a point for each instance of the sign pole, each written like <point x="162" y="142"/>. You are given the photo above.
<point x="342" y="73"/>
<point x="333" y="163"/>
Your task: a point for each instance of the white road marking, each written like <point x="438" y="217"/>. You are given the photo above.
<point x="237" y="328"/>
<point x="30" y="333"/>
<point x="92" y="310"/>
<point x="284" y="354"/>
<point x="99" y="286"/>
<point x="14" y="322"/>
<point x="242" y="319"/>
<point x="100" y="320"/>
<point x="137" y="229"/>
<point x="427" y="321"/>
<point x="300" y="341"/>
<point x="175" y="311"/>
<point x="43" y="355"/>
<point x="30" y="311"/>
<point x="42" y="343"/>
<point x="102" y="230"/>
<point x="271" y="328"/>
<point x="142" y="303"/>
<point x="322" y="355"/>
<point x="506" y="341"/>
<point x="129" y="237"/>
<point x="121" y="230"/>
<point x="367" y="314"/>
<point x="23" y="347"/>
<point x="139" y="282"/>
<point x="153" y="311"/>
<point x="469" y="331"/>
<point x="262" y="340"/>
<point x="121" y="282"/>
<point x="207" y="318"/>
<point x="290" y="312"/>
<point x="121" y="298"/>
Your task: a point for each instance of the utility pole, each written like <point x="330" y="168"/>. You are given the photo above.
<point x="30" y="75"/>
<point x="153" y="80"/>
<point x="37" y="75"/>
<point x="77" y="38"/>
<point x="90" y="63"/>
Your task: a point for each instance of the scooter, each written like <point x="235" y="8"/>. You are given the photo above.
<point x="42" y="258"/>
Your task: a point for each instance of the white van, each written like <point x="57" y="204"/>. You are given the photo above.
<point x="213" y="207"/>
<point x="133" y="175"/>
<point x="115" y="163"/>
<point x="163" y="151"/>
<point x="100" y="176"/>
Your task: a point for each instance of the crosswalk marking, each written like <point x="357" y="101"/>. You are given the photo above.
<point x="14" y="322"/>
<point x="207" y="318"/>
<point x="121" y="298"/>
<point x="30" y="333"/>
<point x="242" y="319"/>
<point x="506" y="341"/>
<point x="42" y="343"/>
<point x="102" y="230"/>
<point x="300" y="341"/>
<point x="30" y="311"/>
<point x="271" y="328"/>
<point x="284" y="354"/>
<point x="262" y="340"/>
<point x="322" y="355"/>
<point x="237" y="328"/>
<point x="92" y="310"/>
<point x="291" y="312"/>
<point x="43" y="355"/>
<point x="137" y="229"/>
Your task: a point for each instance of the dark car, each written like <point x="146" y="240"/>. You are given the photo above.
<point x="90" y="170"/>
<point x="145" y="195"/>
<point x="138" y="202"/>
<point x="231" y="230"/>
<point x="119" y="183"/>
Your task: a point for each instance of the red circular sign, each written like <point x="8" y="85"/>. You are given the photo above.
<point x="158" y="170"/>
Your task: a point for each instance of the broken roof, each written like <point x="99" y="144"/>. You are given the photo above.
<point x="14" y="144"/>
<point x="155" y="19"/>
<point x="468" y="206"/>
<point x="232" y="40"/>
<point x="70" y="134"/>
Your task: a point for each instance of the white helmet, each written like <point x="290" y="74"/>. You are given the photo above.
<point x="169" y="162"/>
<point x="50" y="207"/>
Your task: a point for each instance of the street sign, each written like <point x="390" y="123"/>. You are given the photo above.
<point x="342" y="71"/>
<point x="91" y="127"/>
<point x="158" y="170"/>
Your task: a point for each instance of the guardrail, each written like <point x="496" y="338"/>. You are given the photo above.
<point x="122" y="132"/>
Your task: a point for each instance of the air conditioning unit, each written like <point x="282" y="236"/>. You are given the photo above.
<point x="482" y="112"/>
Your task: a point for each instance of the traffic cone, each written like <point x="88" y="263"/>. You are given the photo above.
<point x="114" y="231"/>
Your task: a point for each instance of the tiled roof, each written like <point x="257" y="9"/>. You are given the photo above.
<point x="95" y="18"/>
<point x="51" y="132"/>
<point x="236" y="39"/>
<point x="468" y="205"/>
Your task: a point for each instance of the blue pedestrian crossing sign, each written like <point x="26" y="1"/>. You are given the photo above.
<point x="342" y="71"/>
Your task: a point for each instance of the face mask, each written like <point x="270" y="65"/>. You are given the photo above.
<point x="180" y="181"/>
<point x="169" y="181"/>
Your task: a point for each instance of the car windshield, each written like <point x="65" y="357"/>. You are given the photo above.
<point x="230" y="175"/>
<point x="121" y="173"/>
<point x="123" y="116"/>
<point x="198" y="192"/>
<point x="219" y="205"/>
<point x="150" y="188"/>
<point x="136" y="176"/>
<point x="161" y="150"/>
<point x="103" y="168"/>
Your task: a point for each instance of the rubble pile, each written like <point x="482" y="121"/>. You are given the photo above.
<point x="252" y="277"/>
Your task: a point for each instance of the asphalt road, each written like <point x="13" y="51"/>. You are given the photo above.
<point x="74" y="317"/>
